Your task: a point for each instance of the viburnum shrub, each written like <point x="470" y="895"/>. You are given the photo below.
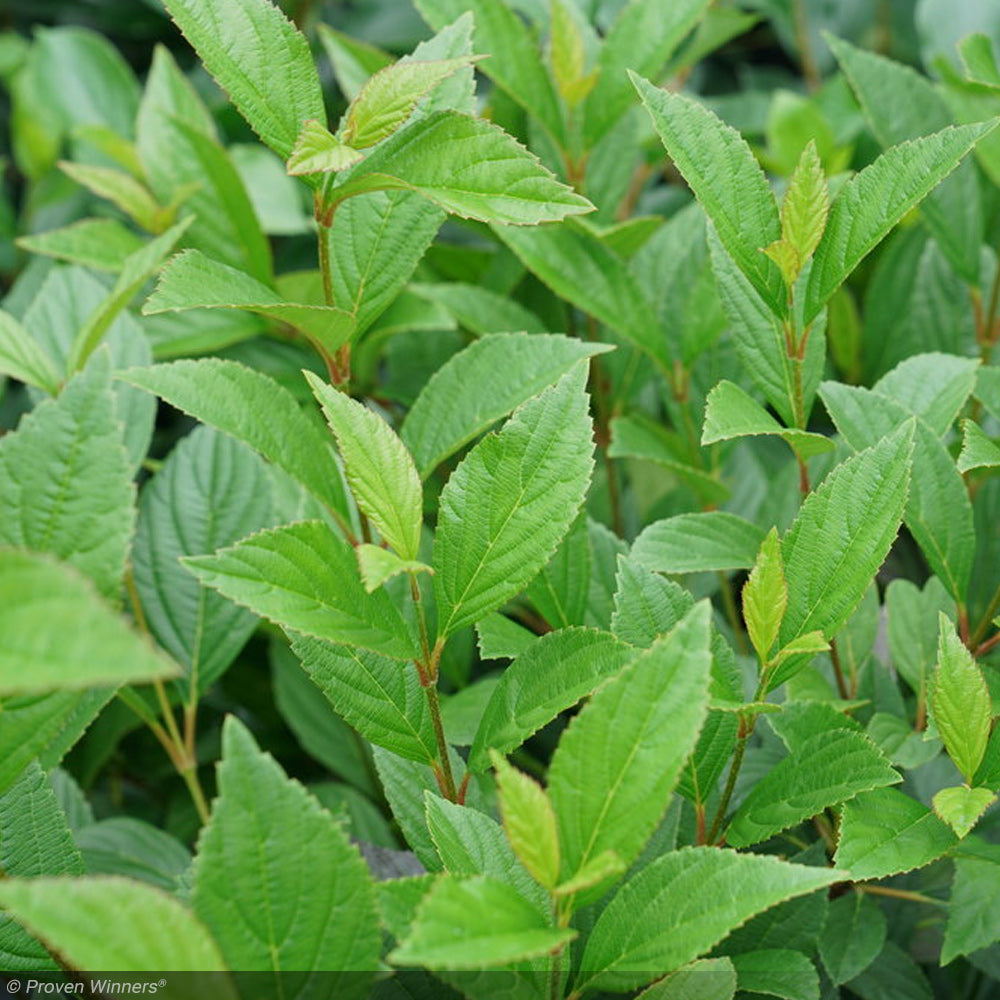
<point x="631" y="562"/>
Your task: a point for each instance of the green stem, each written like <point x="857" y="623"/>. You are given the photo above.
<point x="447" y="778"/>
<point x="727" y="794"/>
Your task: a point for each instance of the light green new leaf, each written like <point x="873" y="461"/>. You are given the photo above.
<point x="388" y="98"/>
<point x="35" y="840"/>
<point x="722" y="172"/>
<point x="573" y="262"/>
<point x="193" y="281"/>
<point x="112" y="924"/>
<point x="961" y="807"/>
<point x="961" y="702"/>
<point x="282" y="888"/>
<point x="567" y="54"/>
<point x="765" y="596"/>
<point x="852" y="937"/>
<point x="23" y="358"/>
<point x="664" y="918"/>
<point x="509" y="503"/>
<point x="378" y="696"/>
<point x="482" y="384"/>
<point x="899" y="104"/>
<point x="550" y="676"/>
<point x="938" y="510"/>
<point x="604" y="866"/>
<point x="65" y="482"/>
<point x="468" y="167"/>
<point x="642" y="38"/>
<point x="617" y="763"/>
<point x="317" y="151"/>
<point x="498" y="926"/>
<point x="253" y="408"/>
<point x="92" y="646"/>
<point x="731" y="413"/>
<point x="529" y="821"/>
<point x="973" y="916"/>
<point x="514" y="62"/>
<point x="806" y="205"/>
<point x="210" y="492"/>
<point x="695" y="543"/>
<point x="101" y="244"/>
<point x="978" y="451"/>
<point x="305" y="578"/>
<point x="260" y="59"/>
<point x="842" y="534"/>
<point x="826" y="770"/>
<point x="869" y="205"/>
<point x="884" y="832"/>
<point x="378" y="565"/>
<point x="379" y="469"/>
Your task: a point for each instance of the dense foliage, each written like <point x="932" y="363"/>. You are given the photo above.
<point x="524" y="520"/>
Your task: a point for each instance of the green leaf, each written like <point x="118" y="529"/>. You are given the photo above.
<point x="869" y="205"/>
<point x="499" y="926"/>
<point x="777" y="972"/>
<point x="885" y="832"/>
<point x="932" y="386"/>
<point x="317" y="151"/>
<point x="828" y="769"/>
<point x="529" y="821"/>
<point x="663" y="917"/>
<point x="35" y="840"/>
<point x="374" y="246"/>
<point x="806" y="205"/>
<point x="978" y="451"/>
<point x="616" y="765"/>
<point x="568" y="56"/>
<point x="978" y="59"/>
<point x="550" y="676"/>
<point x="378" y="565"/>
<point x="468" y="167"/>
<point x="482" y="311"/>
<point x="577" y="266"/>
<point x="973" y="917"/>
<point x="606" y="865"/>
<point x="765" y="596"/>
<point x="352" y="59"/>
<point x="389" y="97"/>
<point x="899" y="104"/>
<point x="305" y="578"/>
<point x="842" y="534"/>
<point x="105" y="922"/>
<point x="501" y="638"/>
<point x="647" y="605"/>
<point x="961" y="702"/>
<point x="177" y="141"/>
<point x="260" y="59"/>
<point x="482" y="384"/>
<point x="252" y="408"/>
<point x="706" y="979"/>
<point x="852" y="937"/>
<point x="913" y="628"/>
<point x="731" y="413"/>
<point x="125" y="846"/>
<point x="304" y="892"/>
<point x="93" y="646"/>
<point x="122" y="190"/>
<point x="514" y="63"/>
<point x="721" y="170"/>
<point x="693" y="543"/>
<point x="23" y="358"/>
<point x="378" y="696"/>
<point x="193" y="281"/>
<point x="961" y="807"/>
<point x="379" y="469"/>
<point x="938" y="511"/>
<point x="509" y="503"/>
<point x="101" y="244"/>
<point x="210" y="492"/>
<point x="642" y="38"/>
<point x="65" y="482"/>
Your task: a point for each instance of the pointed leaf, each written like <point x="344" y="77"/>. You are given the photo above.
<point x="806" y="205"/>
<point x="378" y="565"/>
<point x="260" y="59"/>
<point x="978" y="451"/>
<point x="101" y="244"/>
<point x="961" y="807"/>
<point x="507" y="506"/>
<point x="306" y="578"/>
<point x="614" y="769"/>
<point x="23" y="358"/>
<point x="303" y="892"/>
<point x="317" y="151"/>
<point x="663" y="918"/>
<point x="693" y="543"/>
<point x="765" y="596"/>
